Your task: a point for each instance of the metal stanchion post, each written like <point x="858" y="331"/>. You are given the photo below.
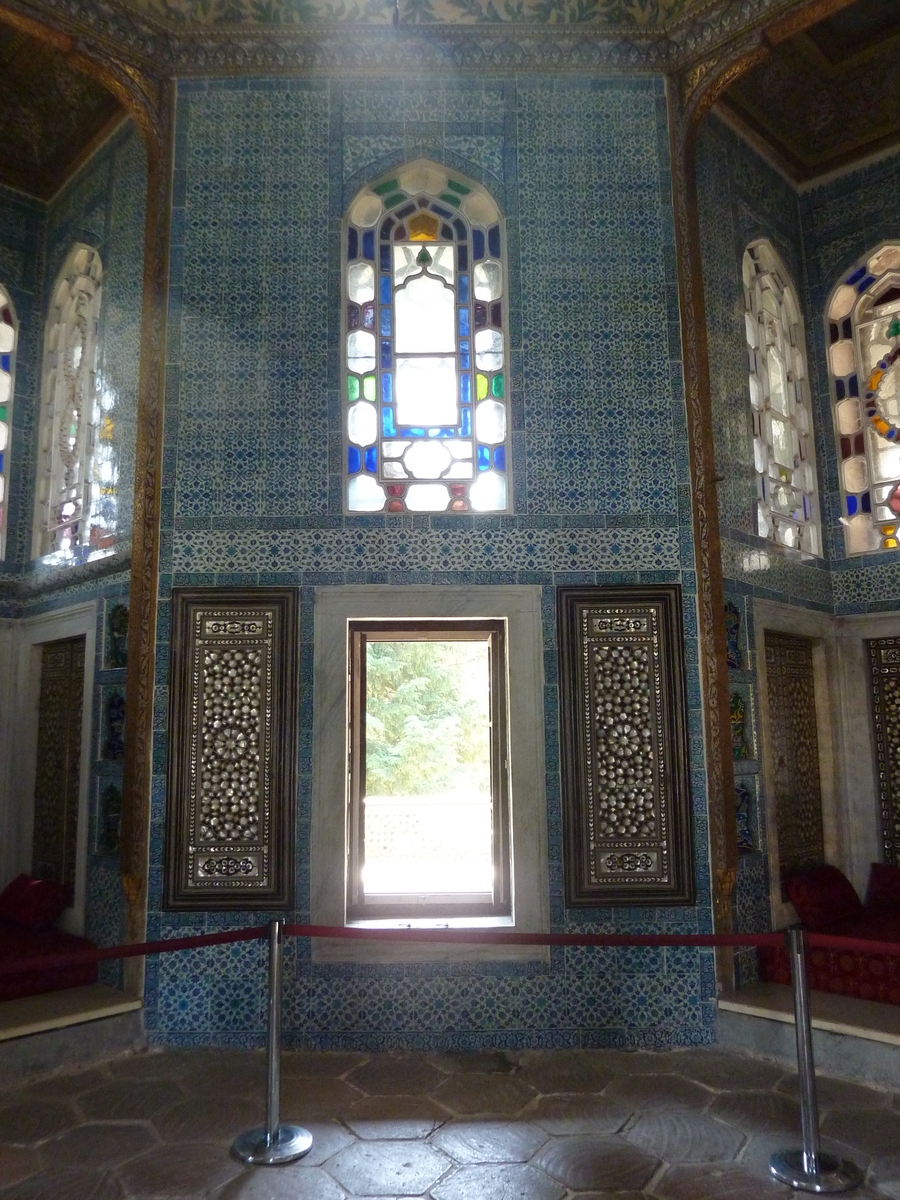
<point x="274" y="1143"/>
<point x="808" y="1169"/>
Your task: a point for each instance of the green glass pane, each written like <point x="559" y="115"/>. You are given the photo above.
<point x="481" y="386"/>
<point x="389" y="185"/>
<point x="458" y="187"/>
<point x="2" y="412"/>
<point x="449" y="198"/>
<point x="352" y="388"/>
<point x="369" y="387"/>
<point x="497" y="385"/>
<point x="393" y="201"/>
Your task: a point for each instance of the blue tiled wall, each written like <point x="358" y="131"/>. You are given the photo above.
<point x="252" y="484"/>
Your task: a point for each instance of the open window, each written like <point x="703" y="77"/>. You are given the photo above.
<point x="429" y="763"/>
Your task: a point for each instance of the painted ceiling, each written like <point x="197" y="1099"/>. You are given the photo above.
<point x="52" y="115"/>
<point x="829" y="96"/>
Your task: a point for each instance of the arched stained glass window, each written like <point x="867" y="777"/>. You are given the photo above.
<point x="862" y="325"/>
<point x="70" y="408"/>
<point x="787" y="510"/>
<point x="426" y="355"/>
<point x="9" y="330"/>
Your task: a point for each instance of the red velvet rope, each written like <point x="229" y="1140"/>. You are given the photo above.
<point x="489" y="937"/>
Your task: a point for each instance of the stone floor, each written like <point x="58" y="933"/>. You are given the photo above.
<point x="689" y="1125"/>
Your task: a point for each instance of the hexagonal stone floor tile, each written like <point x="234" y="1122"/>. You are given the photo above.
<point x="487" y="1094"/>
<point x="838" y="1093"/>
<point x="101" y="1144"/>
<point x="178" y="1171"/>
<point x="597" y="1162"/>
<point x="62" y="1184"/>
<point x="685" y="1137"/>
<point x="216" y="1119"/>
<point x="759" y="1112"/>
<point x="718" y="1183"/>
<point x="489" y="1141"/>
<point x="21" y="1124"/>
<point x="394" y="1117"/>
<point x="726" y="1072"/>
<point x="17" y="1164"/>
<point x="396" y="1075"/>
<point x="123" y="1101"/>
<point x="649" y="1092"/>
<point x="876" y="1132"/>
<point x="564" y="1071"/>
<point x="310" y="1099"/>
<point x="316" y="1063"/>
<point x="378" y="1169"/>
<point x="578" y="1114"/>
<point x="289" y="1182"/>
<point x="485" y="1062"/>
<point x="511" y="1181"/>
<point x="328" y="1138"/>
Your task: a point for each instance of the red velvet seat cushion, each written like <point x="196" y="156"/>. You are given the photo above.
<point x="823" y="896"/>
<point x="884" y="887"/>
<point x="32" y="903"/>
<point x="22" y="947"/>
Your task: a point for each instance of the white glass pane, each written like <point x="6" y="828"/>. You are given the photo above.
<point x="760" y="455"/>
<point x="786" y="534"/>
<point x="884" y="457"/>
<point x="887" y="259"/>
<point x="361" y="283"/>
<point x="461" y="470"/>
<point x="459" y="449"/>
<point x="2" y="488"/>
<point x="426" y="391"/>
<point x="393" y="449"/>
<point x="365" y="211"/>
<point x="364" y="494"/>
<point x="428" y="768"/>
<point x="490" y="422"/>
<point x="480" y="208"/>
<point x="427" y="459"/>
<point x="855" y="474"/>
<point x="427" y="497"/>
<point x="782" y="442"/>
<point x="7" y="338"/>
<point x="426" y="317"/>
<point x="849" y="419"/>
<point x="4" y="434"/>
<point x="5" y="384"/>
<point x="778" y="389"/>
<point x="862" y="535"/>
<point x="362" y="425"/>
<point x="361" y="352"/>
<point x="488" y="350"/>
<point x="405" y="263"/>
<point x="752" y="329"/>
<point x="842" y="359"/>
<point x="444" y="262"/>
<point x="842" y="303"/>
<point x="423" y="177"/>
<point x="488" y="279"/>
<point x="756" y="396"/>
<point x="763" y="520"/>
<point x="488" y="492"/>
<point x="874" y="343"/>
<point x="394" y="470"/>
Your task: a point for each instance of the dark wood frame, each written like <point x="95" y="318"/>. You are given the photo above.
<point x="442" y="906"/>
<point x="675" y="882"/>
<point x="278" y="773"/>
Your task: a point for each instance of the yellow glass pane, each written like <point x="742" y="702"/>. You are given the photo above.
<point x="481" y="386"/>
<point x="423" y="227"/>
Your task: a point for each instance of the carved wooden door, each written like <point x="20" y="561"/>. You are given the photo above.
<point x="795" y="754"/>
<point x="58" y="762"/>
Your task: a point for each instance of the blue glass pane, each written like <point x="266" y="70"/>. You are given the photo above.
<point x="494" y="240"/>
<point x="387" y="389"/>
<point x="464" y="355"/>
<point x="465" y="424"/>
<point x="484" y="458"/>
<point x="477" y="243"/>
<point x="856" y="276"/>
<point x="385" y="258"/>
<point x="464" y="321"/>
<point x="853" y="385"/>
<point x="851" y="506"/>
<point x="369" y="244"/>
<point x="386" y="322"/>
<point x="405" y="212"/>
<point x="353" y="460"/>
<point x="865" y="502"/>
<point x="385" y="289"/>
<point x="371" y="459"/>
<point x="465" y="389"/>
<point x="462" y="258"/>
<point x="439" y="431"/>
<point x="500" y="458"/>
<point x="385" y="354"/>
<point x="387" y="423"/>
<point x="460" y="229"/>
<point x="464" y="289"/>
<point x="441" y="212"/>
<point x="864" y="283"/>
<point x="386" y="226"/>
<point x="410" y="431"/>
<point x="352" y="244"/>
<point x="446" y="233"/>
<point x="4" y="362"/>
<point x="839" y="389"/>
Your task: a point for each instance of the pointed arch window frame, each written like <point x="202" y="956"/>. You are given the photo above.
<point x="395" y="460"/>
<point x="8" y="347"/>
<point x="860" y="311"/>
<point x="63" y="474"/>
<point x="787" y="503"/>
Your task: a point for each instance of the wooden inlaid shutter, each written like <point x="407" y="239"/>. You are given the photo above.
<point x="626" y="788"/>
<point x="884" y="665"/>
<point x="233" y="742"/>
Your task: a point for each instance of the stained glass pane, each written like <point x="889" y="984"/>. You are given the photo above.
<point x="361" y="352"/>
<point x="426" y="391"/>
<point x="488" y="280"/>
<point x="7" y="337"/>
<point x="424" y="310"/>
<point x="362" y="423"/>
<point x="489" y="350"/>
<point x="361" y="282"/>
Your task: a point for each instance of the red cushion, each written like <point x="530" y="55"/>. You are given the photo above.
<point x="823" y="896"/>
<point x="884" y="887"/>
<point x="23" y="947"/>
<point x="32" y="903"/>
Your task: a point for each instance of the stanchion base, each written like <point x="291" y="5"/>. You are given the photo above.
<point x="834" y="1175"/>
<point x="290" y="1142"/>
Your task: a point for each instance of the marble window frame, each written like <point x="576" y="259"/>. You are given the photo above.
<point x="520" y="607"/>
